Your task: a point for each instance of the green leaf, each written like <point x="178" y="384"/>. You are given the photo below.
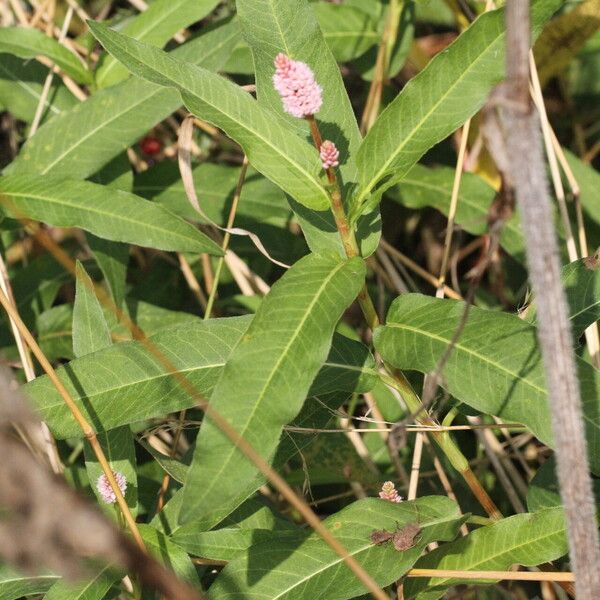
<point x="91" y="588"/>
<point x="270" y="146"/>
<point x="588" y="180"/>
<point x="581" y="281"/>
<point x="171" y="555"/>
<point x="251" y="523"/>
<point x="347" y="30"/>
<point x="21" y="84"/>
<point x="156" y="25"/>
<point x="423" y="186"/>
<point x="495" y="367"/>
<point x="544" y="491"/>
<point x="134" y="385"/>
<point x="111" y="214"/>
<point x="112" y="258"/>
<point x="90" y="334"/>
<point x="527" y="539"/>
<point x="260" y="202"/>
<point x="27" y="42"/>
<point x="90" y="331"/>
<point x="93" y="132"/>
<point x="450" y="90"/>
<point x="14" y="585"/>
<point x="266" y="379"/>
<point x="295" y="568"/>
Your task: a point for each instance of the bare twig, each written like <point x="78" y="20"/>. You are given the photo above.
<point x="524" y="159"/>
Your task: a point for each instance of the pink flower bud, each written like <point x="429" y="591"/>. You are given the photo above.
<point x="295" y="83"/>
<point x="329" y="154"/>
<point x="107" y="493"/>
<point x="388" y="492"/>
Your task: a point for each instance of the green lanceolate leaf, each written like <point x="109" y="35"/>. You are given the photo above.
<point x="294" y="568"/>
<point x="134" y="384"/>
<point x="588" y="180"/>
<point x="27" y="42"/>
<point x="111" y="214"/>
<point x="112" y="258"/>
<point x="127" y="382"/>
<point x="271" y="148"/>
<point x="21" y="85"/>
<point x="14" y="585"/>
<point x="423" y="186"/>
<point x="581" y="281"/>
<point x="452" y="88"/>
<point x="93" y="132"/>
<point x="348" y="31"/>
<point x="495" y="366"/>
<point x="267" y="378"/>
<point x="90" y="331"/>
<point x="291" y="27"/>
<point x="90" y="334"/>
<point x="92" y="588"/>
<point x="171" y="555"/>
<point x="544" y="491"/>
<point x="156" y="26"/>
<point x="525" y="539"/>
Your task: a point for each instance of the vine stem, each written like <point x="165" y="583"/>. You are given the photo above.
<point x="397" y="379"/>
<point x="86" y="428"/>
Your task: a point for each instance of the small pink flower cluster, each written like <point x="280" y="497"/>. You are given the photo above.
<point x="388" y="492"/>
<point x="330" y="155"/>
<point x="295" y="82"/>
<point x="107" y="493"/>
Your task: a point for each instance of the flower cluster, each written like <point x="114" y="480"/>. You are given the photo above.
<point x="388" y="492"/>
<point x="330" y="155"/>
<point x="107" y="493"/>
<point x="295" y="83"/>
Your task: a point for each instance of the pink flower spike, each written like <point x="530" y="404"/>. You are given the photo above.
<point x="107" y="493"/>
<point x="388" y="492"/>
<point x="295" y="83"/>
<point x="329" y="154"/>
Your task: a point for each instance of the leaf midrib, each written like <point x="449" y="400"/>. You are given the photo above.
<point x="316" y="298"/>
<point x="339" y="559"/>
<point x="373" y="181"/>
<point x="458" y="346"/>
<point x="160" y="376"/>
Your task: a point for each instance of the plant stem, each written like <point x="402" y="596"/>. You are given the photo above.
<point x="527" y="174"/>
<point x="397" y="379"/>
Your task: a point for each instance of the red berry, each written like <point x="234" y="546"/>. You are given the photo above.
<point x="150" y="146"/>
